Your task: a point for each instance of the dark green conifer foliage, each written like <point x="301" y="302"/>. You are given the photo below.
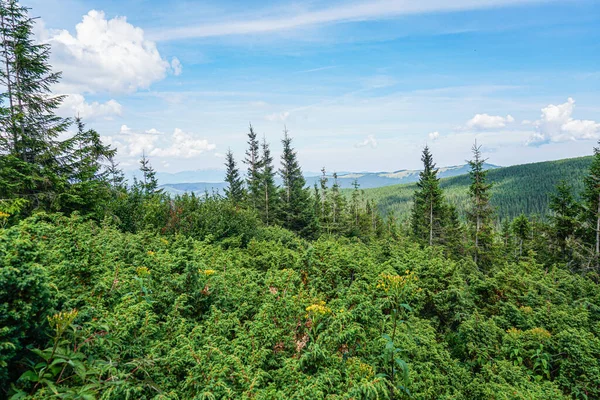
<point x="564" y="216"/>
<point x="268" y="202"/>
<point x="235" y="192"/>
<point x="522" y="229"/>
<point x="480" y="211"/>
<point x="88" y="176"/>
<point x="591" y="195"/>
<point x="428" y="209"/>
<point x="296" y="211"/>
<point x="28" y="126"/>
<point x="149" y="183"/>
<point x="252" y="160"/>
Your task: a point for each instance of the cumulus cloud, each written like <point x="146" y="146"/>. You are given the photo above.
<point x="369" y="141"/>
<point x="154" y="143"/>
<point x="184" y="145"/>
<point x="556" y="124"/>
<point x="434" y="135"/>
<point x="484" y="122"/>
<point x="106" y="56"/>
<point x="75" y="105"/>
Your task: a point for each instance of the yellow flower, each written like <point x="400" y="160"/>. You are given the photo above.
<point x="150" y="253"/>
<point x="164" y="241"/>
<point x="318" y="308"/>
<point x="142" y="271"/>
<point x="207" y="272"/>
<point x="62" y="320"/>
<point x="540" y="333"/>
<point x="4" y="215"/>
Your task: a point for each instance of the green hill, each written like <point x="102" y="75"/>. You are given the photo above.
<point x="516" y="189"/>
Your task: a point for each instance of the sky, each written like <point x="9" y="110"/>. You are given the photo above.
<point x="360" y="85"/>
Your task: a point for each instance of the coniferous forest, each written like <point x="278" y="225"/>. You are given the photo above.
<point x="115" y="290"/>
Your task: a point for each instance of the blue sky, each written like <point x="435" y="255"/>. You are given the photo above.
<point x="360" y="85"/>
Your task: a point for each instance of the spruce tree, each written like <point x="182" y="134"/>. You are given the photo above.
<point x="235" y="192"/>
<point x="591" y="195"/>
<point x="252" y="160"/>
<point x="296" y="212"/>
<point x="480" y="211"/>
<point x="564" y="216"/>
<point x="29" y="127"/>
<point x="521" y="228"/>
<point x="149" y="183"/>
<point x="268" y="201"/>
<point x="87" y="174"/>
<point x="428" y="207"/>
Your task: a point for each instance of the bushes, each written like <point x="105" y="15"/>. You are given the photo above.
<point x="171" y="316"/>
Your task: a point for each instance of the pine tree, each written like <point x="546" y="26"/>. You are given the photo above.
<point x="338" y="208"/>
<point x="235" y="192"/>
<point x="521" y="228"/>
<point x="564" y="218"/>
<point x="428" y="208"/>
<point x="296" y="212"/>
<point x="88" y="177"/>
<point x="30" y="120"/>
<point x="480" y="212"/>
<point x="29" y="127"/>
<point x="149" y="183"/>
<point x="591" y="195"/>
<point x="268" y="202"/>
<point x="252" y="160"/>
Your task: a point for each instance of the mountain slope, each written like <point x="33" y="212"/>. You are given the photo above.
<point x="366" y="180"/>
<point x="516" y="189"/>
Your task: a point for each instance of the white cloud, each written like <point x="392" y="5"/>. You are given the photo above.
<point x="277" y="116"/>
<point x="75" y="105"/>
<point x="106" y="56"/>
<point x="484" y="121"/>
<point x="219" y="155"/>
<point x="176" y="66"/>
<point x="434" y="135"/>
<point x="154" y="143"/>
<point x="343" y="12"/>
<point x="184" y="145"/>
<point x="369" y="141"/>
<point x="556" y="124"/>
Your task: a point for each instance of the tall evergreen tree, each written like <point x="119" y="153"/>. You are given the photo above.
<point x="296" y="211"/>
<point x="29" y="127"/>
<point x="149" y="183"/>
<point x="268" y="202"/>
<point x="564" y="216"/>
<point x="480" y="211"/>
<point x="88" y="176"/>
<point x="591" y="195"/>
<point x="428" y="208"/>
<point x="521" y="228"/>
<point x="252" y="160"/>
<point x="235" y="192"/>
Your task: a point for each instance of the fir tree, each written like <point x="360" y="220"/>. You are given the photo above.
<point x="149" y="183"/>
<point x="252" y="160"/>
<point x="428" y="209"/>
<point x="296" y="212"/>
<point x="235" y="192"/>
<point x="591" y="195"/>
<point x="521" y="228"/>
<point x="268" y="202"/>
<point x="564" y="216"/>
<point x="480" y="211"/>
<point x="29" y="127"/>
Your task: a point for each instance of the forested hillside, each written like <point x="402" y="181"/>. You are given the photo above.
<point x="516" y="189"/>
<point x="116" y="290"/>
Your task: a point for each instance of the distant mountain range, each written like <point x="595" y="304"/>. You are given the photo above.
<point x="181" y="182"/>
